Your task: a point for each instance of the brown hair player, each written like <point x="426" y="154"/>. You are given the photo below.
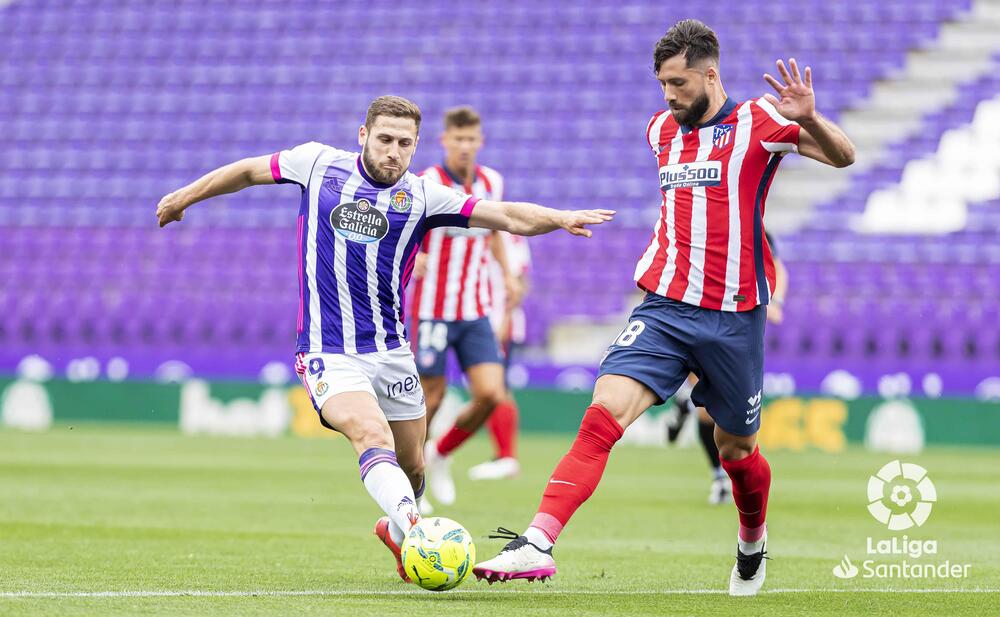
<point x="709" y="274"/>
<point x="360" y="220"/>
<point x="453" y="300"/>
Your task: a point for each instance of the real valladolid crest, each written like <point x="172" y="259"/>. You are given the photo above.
<point x="900" y="497"/>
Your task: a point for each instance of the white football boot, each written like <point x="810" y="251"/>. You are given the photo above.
<point x="748" y="574"/>
<point x="438" y="470"/>
<point x="500" y="469"/>
<point x="519" y="559"/>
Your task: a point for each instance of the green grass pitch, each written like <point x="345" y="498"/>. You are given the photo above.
<point x="108" y="521"/>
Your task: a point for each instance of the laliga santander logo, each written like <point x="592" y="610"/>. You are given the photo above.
<point x="845" y="569"/>
<point x="900" y="495"/>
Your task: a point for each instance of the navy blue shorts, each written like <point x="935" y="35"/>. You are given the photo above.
<point x="665" y="340"/>
<point x="473" y="341"/>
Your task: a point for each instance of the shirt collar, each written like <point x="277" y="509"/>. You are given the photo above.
<point x="454" y="177"/>
<point x="727" y="108"/>
<point x="369" y="179"/>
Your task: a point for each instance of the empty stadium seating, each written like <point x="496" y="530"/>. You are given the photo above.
<point x="134" y="99"/>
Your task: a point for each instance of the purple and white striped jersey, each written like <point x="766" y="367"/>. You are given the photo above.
<point x="358" y="239"/>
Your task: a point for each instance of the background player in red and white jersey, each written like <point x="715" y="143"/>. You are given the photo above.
<point x="510" y="324"/>
<point x="709" y="274"/>
<point x="452" y="302"/>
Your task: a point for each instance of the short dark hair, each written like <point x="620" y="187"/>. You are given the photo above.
<point x="689" y="37"/>
<point x="461" y="117"/>
<point x="392" y="106"/>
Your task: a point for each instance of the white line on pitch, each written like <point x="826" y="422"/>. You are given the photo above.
<point x="334" y="592"/>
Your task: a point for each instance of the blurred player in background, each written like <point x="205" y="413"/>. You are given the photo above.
<point x="360" y="222"/>
<point x="709" y="274"/>
<point x="721" y="488"/>
<point x="452" y="302"/>
<point x="509" y="323"/>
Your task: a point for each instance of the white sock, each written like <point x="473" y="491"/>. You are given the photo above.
<point x="749" y="548"/>
<point x="396" y="533"/>
<point x="538" y="538"/>
<point x="391" y="490"/>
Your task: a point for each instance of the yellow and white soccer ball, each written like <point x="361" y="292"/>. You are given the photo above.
<point x="438" y="554"/>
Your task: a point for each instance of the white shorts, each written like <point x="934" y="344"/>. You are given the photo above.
<point x="390" y="376"/>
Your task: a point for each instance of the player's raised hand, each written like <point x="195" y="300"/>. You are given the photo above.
<point x="576" y="221"/>
<point x="170" y="209"/>
<point x="796" y="100"/>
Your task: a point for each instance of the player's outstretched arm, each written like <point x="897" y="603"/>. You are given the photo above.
<point x="527" y="219"/>
<point x="820" y="139"/>
<point x="228" y="179"/>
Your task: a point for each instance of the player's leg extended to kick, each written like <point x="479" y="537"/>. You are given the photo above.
<point x="358" y="417"/>
<point x="486" y="387"/>
<point x="617" y="402"/>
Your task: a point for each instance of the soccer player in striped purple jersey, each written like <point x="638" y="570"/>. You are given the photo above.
<point x="360" y="222"/>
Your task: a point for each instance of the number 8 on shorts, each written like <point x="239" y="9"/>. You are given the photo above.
<point x="629" y="334"/>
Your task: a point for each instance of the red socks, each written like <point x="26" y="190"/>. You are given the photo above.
<point x="579" y="472"/>
<point x="452" y="439"/>
<point x="751" y="478"/>
<point x="503" y="428"/>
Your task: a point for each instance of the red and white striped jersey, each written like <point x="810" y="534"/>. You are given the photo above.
<point x="708" y="246"/>
<point x="456" y="286"/>
<point x="519" y="263"/>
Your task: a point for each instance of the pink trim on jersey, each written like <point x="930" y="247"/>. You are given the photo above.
<point x="275" y="167"/>
<point x="470" y="203"/>
<point x="302" y="300"/>
<point x="408" y="269"/>
<point x="300" y="368"/>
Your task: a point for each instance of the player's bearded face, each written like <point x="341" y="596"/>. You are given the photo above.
<point x="388" y="148"/>
<point x="685" y="89"/>
<point x="386" y="173"/>
<point x="691" y="113"/>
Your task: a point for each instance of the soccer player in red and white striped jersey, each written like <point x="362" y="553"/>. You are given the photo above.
<point x="452" y="302"/>
<point x="510" y="324"/>
<point x="709" y="274"/>
<point x="455" y="285"/>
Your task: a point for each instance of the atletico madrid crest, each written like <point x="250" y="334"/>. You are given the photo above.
<point x="722" y="135"/>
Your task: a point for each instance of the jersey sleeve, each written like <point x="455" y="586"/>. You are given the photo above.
<point x="776" y="133"/>
<point x="446" y="207"/>
<point x="295" y="165"/>
<point x="653" y="132"/>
